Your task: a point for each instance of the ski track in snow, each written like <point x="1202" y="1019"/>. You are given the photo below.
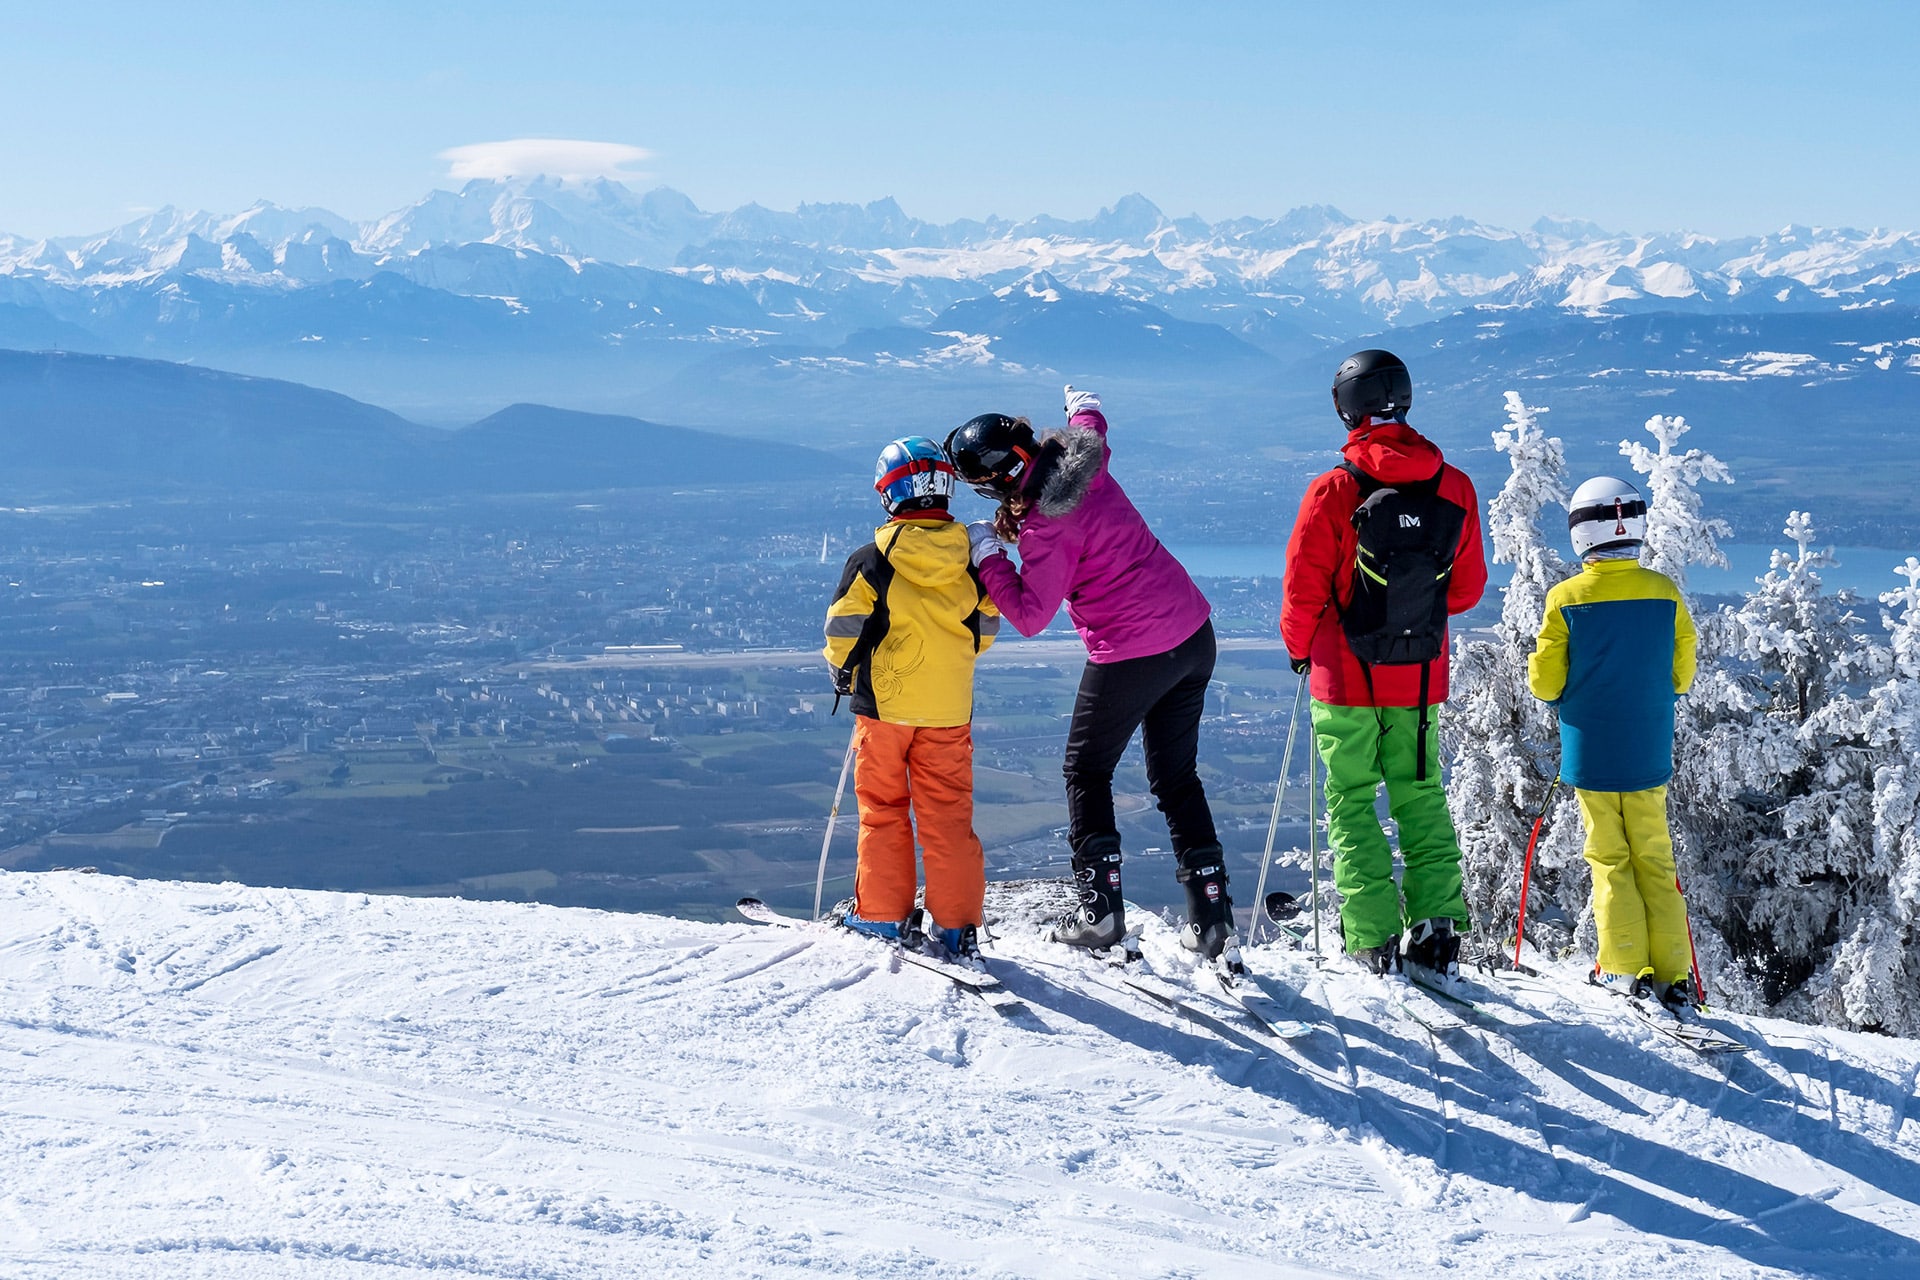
<point x="214" y="1080"/>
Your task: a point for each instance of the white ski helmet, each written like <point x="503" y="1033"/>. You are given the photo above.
<point x="1606" y="513"/>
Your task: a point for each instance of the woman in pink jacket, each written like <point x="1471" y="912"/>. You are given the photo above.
<point x="1150" y="650"/>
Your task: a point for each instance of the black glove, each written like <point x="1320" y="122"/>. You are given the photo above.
<point x="1299" y="665"/>
<point x="843" y="682"/>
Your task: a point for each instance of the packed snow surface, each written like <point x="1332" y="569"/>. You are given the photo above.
<point x="226" y="1081"/>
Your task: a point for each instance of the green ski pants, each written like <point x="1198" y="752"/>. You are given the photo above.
<point x="1363" y="747"/>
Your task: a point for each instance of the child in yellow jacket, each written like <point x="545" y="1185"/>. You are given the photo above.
<point x="1615" y="650"/>
<point x="904" y="628"/>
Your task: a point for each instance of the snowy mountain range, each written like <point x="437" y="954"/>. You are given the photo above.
<point x="223" y="1081"/>
<point x="1312" y="261"/>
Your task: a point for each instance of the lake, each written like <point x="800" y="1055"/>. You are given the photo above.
<point x="1867" y="570"/>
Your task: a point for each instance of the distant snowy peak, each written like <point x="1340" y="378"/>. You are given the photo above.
<point x="588" y="219"/>
<point x="270" y="224"/>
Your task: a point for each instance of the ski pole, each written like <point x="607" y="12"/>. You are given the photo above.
<point x="833" y="815"/>
<point x="1313" y="846"/>
<point x="1693" y="957"/>
<point x="1526" y="871"/>
<point x="1273" y="823"/>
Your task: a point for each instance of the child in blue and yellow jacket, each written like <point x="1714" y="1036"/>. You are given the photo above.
<point x="1615" y="650"/>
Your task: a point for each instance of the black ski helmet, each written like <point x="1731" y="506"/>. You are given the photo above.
<point x="1372" y="384"/>
<point x="991" y="453"/>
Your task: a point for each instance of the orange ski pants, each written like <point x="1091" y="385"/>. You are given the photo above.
<point x="898" y="767"/>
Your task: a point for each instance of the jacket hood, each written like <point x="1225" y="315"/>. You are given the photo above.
<point x="928" y="553"/>
<point x="1064" y="485"/>
<point x="1392" y="452"/>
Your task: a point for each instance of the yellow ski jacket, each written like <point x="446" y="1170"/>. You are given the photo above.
<point x="907" y="621"/>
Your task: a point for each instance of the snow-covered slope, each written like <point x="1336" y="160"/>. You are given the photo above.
<point x="225" y="1081"/>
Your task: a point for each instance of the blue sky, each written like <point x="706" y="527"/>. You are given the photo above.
<point x="1720" y="117"/>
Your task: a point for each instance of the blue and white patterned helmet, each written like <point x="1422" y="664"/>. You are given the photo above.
<point x="911" y="473"/>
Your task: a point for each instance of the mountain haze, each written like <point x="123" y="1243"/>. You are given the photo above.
<point x="108" y="425"/>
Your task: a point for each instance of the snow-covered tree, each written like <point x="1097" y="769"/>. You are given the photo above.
<point x="1780" y="788"/>
<point x="1503" y="742"/>
<point x="1679" y="533"/>
<point x="1873" y="980"/>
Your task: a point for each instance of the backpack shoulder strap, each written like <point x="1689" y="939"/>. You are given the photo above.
<point x="874" y="629"/>
<point x="979" y="598"/>
<point x="1366" y="482"/>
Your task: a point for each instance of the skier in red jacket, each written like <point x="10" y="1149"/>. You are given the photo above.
<point x="1374" y="721"/>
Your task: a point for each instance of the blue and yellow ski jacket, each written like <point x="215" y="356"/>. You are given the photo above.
<point x="1614" y="651"/>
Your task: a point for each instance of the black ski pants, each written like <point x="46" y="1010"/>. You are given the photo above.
<point x="1163" y="695"/>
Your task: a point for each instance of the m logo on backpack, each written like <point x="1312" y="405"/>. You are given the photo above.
<point x="1405" y="539"/>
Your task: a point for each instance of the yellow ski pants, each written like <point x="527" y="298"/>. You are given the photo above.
<point x="1637" y="907"/>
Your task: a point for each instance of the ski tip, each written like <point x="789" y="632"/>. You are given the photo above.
<point x="756" y="910"/>
<point x="1281" y="907"/>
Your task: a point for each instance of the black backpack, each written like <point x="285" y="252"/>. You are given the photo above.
<point x="1405" y="539"/>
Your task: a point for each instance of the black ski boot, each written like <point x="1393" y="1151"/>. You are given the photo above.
<point x="913" y="930"/>
<point x="1383" y="960"/>
<point x="1100" y="921"/>
<point x="1435" y="947"/>
<point x="1680" y="999"/>
<point x="1209" y="927"/>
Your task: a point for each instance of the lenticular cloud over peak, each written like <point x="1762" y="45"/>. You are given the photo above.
<point x="564" y="158"/>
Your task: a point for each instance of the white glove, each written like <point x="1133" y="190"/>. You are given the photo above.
<point x="983" y="541"/>
<point x="1079" y="400"/>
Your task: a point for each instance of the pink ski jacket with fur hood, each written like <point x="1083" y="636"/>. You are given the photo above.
<point x="1083" y="544"/>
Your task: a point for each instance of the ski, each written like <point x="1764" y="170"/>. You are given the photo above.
<point x="1697" y="1036"/>
<point x="1196" y="1005"/>
<point x="1417" y="1000"/>
<point x="1257" y="1004"/>
<point x="1120" y="974"/>
<point x="1422" y="1005"/>
<point x="1419" y="995"/>
<point x="979" y="982"/>
<point x="1107" y="969"/>
<point x="1456" y="990"/>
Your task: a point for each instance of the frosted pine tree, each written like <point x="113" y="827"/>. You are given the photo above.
<point x="1873" y="980"/>
<point x="1786" y="775"/>
<point x="1504" y="744"/>
<point x="1679" y="533"/>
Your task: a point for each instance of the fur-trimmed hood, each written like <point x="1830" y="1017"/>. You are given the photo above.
<point x="1072" y="460"/>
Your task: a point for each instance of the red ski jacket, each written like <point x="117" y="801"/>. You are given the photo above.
<point x="1320" y="553"/>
